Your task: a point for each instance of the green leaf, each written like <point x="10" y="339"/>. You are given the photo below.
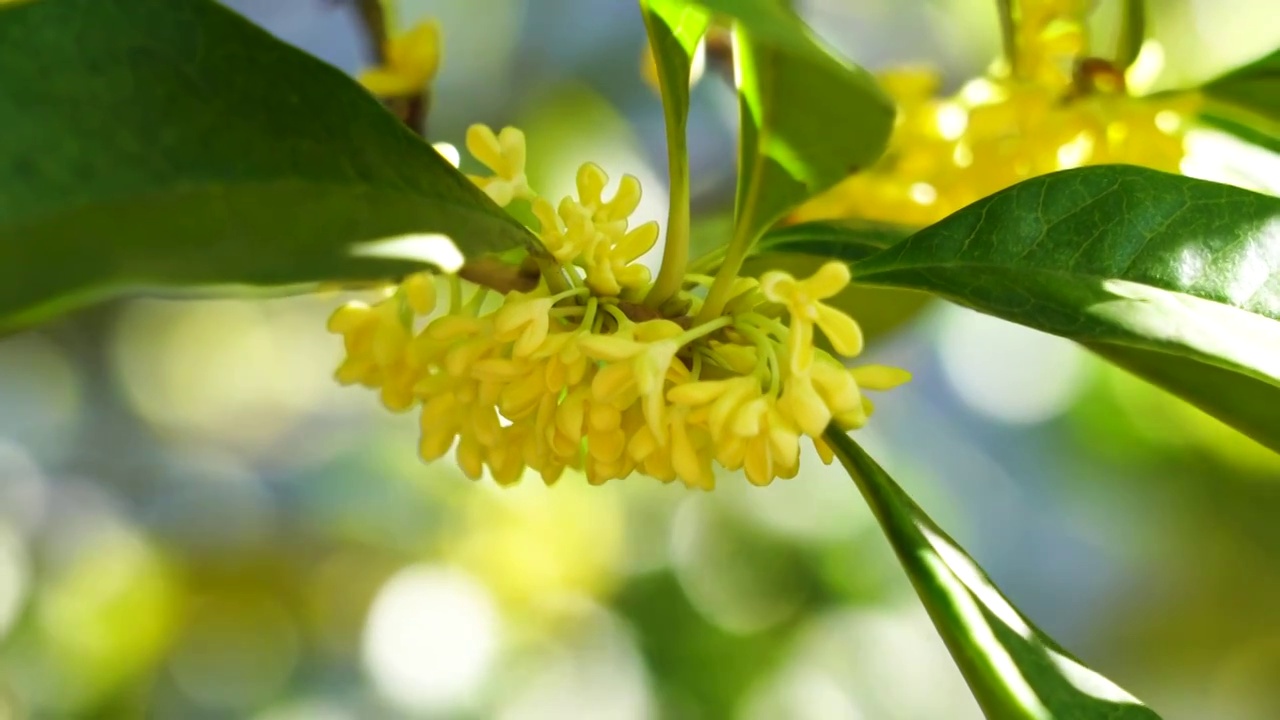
<point x="1246" y="102"/>
<point x="808" y="119"/>
<point x="1120" y="256"/>
<point x="172" y="143"/>
<point x="1247" y="405"/>
<point x="1015" y="671"/>
<point x="849" y="239"/>
<point x="1251" y="130"/>
<point x="675" y="28"/>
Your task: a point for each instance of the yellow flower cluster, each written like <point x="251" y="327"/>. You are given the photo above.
<point x="589" y="378"/>
<point x="1060" y="110"/>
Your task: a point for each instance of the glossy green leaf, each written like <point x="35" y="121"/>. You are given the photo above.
<point x="1246" y="102"/>
<point x="172" y="143"/>
<point x="1120" y="256"/>
<point x="1015" y="671"/>
<point x="808" y="119"/>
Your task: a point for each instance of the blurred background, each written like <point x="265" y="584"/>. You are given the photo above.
<point x="197" y="522"/>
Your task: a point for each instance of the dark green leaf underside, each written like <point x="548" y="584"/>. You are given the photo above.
<point x="170" y="143"/>
<point x="1016" y="672"/>
<point x="1246" y="101"/>
<point x="850" y="240"/>
<point x="1117" y="256"/>
<point x="1242" y="402"/>
<point x="1250" y="128"/>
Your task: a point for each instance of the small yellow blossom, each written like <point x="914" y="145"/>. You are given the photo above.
<point x="412" y="61"/>
<point x="504" y="154"/>
<point x="802" y="300"/>
<point x="574" y="378"/>
<point x="1060" y="109"/>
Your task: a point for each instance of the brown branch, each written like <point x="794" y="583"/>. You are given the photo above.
<point x="497" y="275"/>
<point x="373" y="16"/>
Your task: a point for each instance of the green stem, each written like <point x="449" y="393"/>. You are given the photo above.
<point x="589" y="319"/>
<point x="728" y="272"/>
<point x="1133" y="31"/>
<point x="1008" y="34"/>
<point x="455" y="294"/>
<point x="550" y="270"/>
<point x="746" y="227"/>
<point x="768" y="357"/>
<point x="616" y="313"/>
<point x="477" y="301"/>
<point x="702" y="330"/>
<point x="571" y="292"/>
<point x="705" y="264"/>
<point x="675" y="252"/>
<point x="767" y="324"/>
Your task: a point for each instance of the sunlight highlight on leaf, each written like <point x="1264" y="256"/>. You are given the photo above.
<point x="1216" y="333"/>
<point x="1089" y="682"/>
<point x="973" y="578"/>
<point x="427" y="248"/>
<point x="980" y="634"/>
<point x="1016" y="672"/>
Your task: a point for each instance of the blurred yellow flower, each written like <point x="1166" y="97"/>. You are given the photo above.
<point x="412" y="60"/>
<point x="1060" y="109"/>
<point x="538" y="553"/>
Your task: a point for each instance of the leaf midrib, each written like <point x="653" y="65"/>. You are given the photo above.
<point x="1066" y="275"/>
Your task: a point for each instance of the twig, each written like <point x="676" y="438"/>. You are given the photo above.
<point x="373" y="16"/>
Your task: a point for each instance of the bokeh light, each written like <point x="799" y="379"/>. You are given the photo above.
<point x="15" y="576"/>
<point x="1007" y="372"/>
<point x="431" y="639"/>
<point x="225" y="372"/>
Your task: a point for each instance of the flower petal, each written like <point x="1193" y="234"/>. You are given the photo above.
<point x="830" y="279"/>
<point x="841" y="330"/>
<point x="880" y="377"/>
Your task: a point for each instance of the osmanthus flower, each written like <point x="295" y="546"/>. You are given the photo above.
<point x="1060" y="109"/>
<point x="580" y="373"/>
<point x="412" y="60"/>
